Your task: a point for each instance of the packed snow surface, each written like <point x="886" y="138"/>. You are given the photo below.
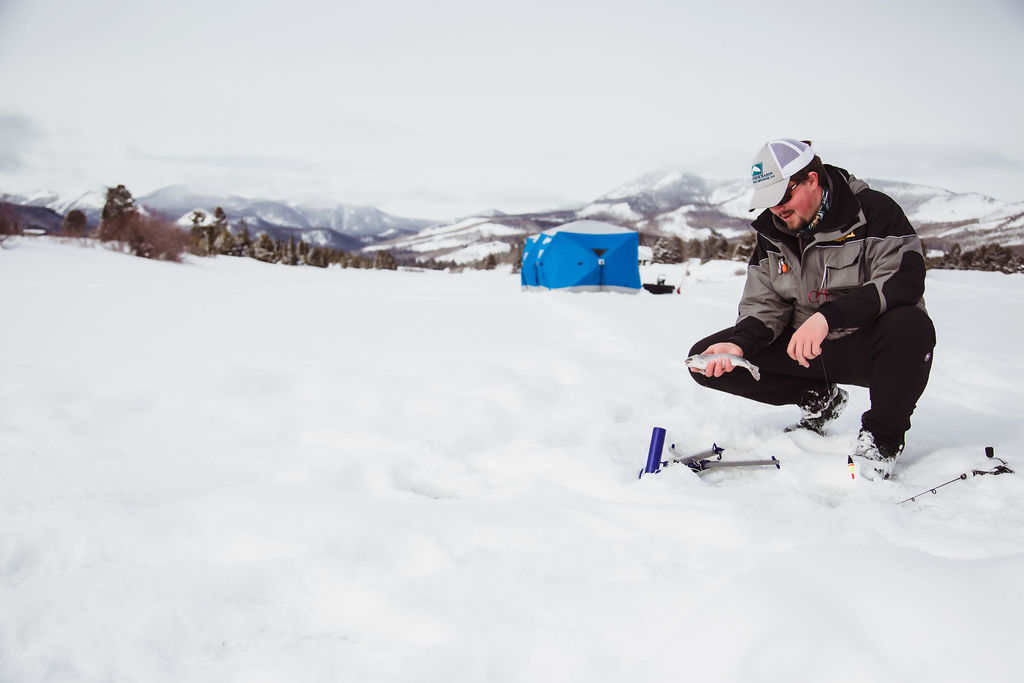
<point x="225" y="470"/>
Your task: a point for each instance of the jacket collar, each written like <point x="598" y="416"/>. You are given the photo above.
<point x="844" y="215"/>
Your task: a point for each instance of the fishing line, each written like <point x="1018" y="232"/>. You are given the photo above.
<point x="823" y="368"/>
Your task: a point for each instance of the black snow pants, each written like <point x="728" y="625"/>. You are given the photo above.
<point x="892" y="357"/>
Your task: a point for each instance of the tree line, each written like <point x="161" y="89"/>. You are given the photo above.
<point x="122" y="223"/>
<point x="991" y="257"/>
<point x="674" y="249"/>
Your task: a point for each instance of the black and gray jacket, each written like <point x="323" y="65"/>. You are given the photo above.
<point x="861" y="260"/>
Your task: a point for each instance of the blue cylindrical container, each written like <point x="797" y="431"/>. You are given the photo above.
<point x="654" y="452"/>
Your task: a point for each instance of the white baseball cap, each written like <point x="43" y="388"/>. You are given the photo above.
<point x="772" y="168"/>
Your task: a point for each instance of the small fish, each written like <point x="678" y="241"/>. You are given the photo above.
<point x="701" y="360"/>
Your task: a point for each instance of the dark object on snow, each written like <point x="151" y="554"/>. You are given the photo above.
<point x="990" y="452"/>
<point x="654" y="451"/>
<point x="660" y="288"/>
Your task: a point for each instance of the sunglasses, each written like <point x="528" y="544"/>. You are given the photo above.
<point x="789" y="194"/>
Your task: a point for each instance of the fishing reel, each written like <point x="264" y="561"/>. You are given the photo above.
<point x="1004" y="468"/>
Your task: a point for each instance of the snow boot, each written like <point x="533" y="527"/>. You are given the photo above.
<point x="820" y="409"/>
<point x="874" y="460"/>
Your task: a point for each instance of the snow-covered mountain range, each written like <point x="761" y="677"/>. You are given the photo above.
<point x="657" y="204"/>
<point x="943" y="217"/>
<point x="692" y="207"/>
<point x="341" y="226"/>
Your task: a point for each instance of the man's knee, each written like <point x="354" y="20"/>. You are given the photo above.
<point x="908" y="325"/>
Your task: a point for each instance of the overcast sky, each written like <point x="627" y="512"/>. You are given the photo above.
<point x="443" y="108"/>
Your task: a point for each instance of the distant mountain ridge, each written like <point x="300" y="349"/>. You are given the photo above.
<point x="676" y="203"/>
<point x="340" y="226"/>
<point x="660" y="203"/>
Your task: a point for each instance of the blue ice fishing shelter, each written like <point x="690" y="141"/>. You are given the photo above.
<point x="582" y="255"/>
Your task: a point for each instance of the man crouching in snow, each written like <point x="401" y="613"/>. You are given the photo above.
<point x="834" y="295"/>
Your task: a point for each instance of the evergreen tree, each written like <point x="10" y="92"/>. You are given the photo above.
<point x="220" y="219"/>
<point x="291" y="257"/>
<point x="685" y="250"/>
<point x="265" y="249"/>
<point x="215" y="229"/>
<point x="198" y="234"/>
<point x="118" y="208"/>
<point x="244" y="240"/>
<point x="226" y="243"/>
<point x="317" y="257"/>
<point x="517" y="256"/>
<point x="118" y="203"/>
<point x="706" y="251"/>
<point x="667" y="250"/>
<point x="384" y="260"/>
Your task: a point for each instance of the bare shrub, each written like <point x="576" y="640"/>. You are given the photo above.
<point x="74" y="223"/>
<point x="145" y="236"/>
<point x="8" y="223"/>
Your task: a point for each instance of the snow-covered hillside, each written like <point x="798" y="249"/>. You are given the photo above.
<point x="695" y="208"/>
<point x="225" y="470"/>
<point x="463" y="241"/>
<point x="336" y="225"/>
<point x="666" y="202"/>
<point x="90" y="201"/>
<point x="968" y="218"/>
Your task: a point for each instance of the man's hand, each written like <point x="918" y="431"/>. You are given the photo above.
<point x="805" y="344"/>
<point x="717" y="368"/>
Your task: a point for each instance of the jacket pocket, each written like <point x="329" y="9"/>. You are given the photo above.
<point x="841" y="271"/>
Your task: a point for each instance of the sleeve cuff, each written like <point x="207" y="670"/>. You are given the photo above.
<point x="832" y="316"/>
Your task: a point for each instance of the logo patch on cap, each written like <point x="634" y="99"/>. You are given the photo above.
<point x="757" y="174"/>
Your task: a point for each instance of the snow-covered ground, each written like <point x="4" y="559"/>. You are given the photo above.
<point x="225" y="470"/>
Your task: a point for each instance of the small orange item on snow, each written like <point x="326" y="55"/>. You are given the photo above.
<point x="851" y="466"/>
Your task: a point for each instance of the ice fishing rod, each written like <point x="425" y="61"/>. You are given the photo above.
<point x="698" y="462"/>
<point x="990" y="452"/>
